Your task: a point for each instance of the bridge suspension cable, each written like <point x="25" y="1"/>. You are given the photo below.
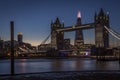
<point x="43" y="42"/>
<point x="23" y="49"/>
<point x="113" y="33"/>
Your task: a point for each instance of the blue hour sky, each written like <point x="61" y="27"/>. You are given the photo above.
<point x="33" y="17"/>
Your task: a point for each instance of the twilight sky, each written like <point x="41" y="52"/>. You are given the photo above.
<point x="33" y="17"/>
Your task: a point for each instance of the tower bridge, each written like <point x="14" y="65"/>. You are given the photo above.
<point x="100" y="25"/>
<point x="101" y="34"/>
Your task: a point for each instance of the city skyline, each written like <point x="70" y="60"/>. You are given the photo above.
<point x="33" y="17"/>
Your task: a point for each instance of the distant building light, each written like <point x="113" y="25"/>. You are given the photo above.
<point x="20" y="33"/>
<point x="79" y="14"/>
<point x="86" y="53"/>
<point x="73" y="26"/>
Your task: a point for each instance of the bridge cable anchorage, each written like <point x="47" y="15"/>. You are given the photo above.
<point x="113" y="33"/>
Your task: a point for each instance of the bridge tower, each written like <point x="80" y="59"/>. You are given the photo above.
<point x="79" y="41"/>
<point x="101" y="35"/>
<point x="57" y="39"/>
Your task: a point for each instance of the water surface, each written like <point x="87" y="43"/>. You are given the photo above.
<point x="47" y="65"/>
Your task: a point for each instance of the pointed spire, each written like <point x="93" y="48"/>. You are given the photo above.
<point x="57" y="21"/>
<point x="101" y="12"/>
<point x="79" y="14"/>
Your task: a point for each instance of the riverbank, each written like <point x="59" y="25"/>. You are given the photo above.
<point x="44" y="57"/>
<point x="67" y="75"/>
<point x="60" y="57"/>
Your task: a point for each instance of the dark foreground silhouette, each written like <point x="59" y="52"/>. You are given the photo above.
<point x="66" y="75"/>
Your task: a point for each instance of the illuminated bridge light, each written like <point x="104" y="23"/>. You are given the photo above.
<point x="73" y="26"/>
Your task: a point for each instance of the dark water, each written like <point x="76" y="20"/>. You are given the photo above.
<point x="46" y="65"/>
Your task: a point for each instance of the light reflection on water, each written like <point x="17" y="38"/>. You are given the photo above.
<point x="46" y="65"/>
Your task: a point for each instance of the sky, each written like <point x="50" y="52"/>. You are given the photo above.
<point x="33" y="17"/>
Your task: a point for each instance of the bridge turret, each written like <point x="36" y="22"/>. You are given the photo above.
<point x="107" y="19"/>
<point x="57" y="21"/>
<point x="101" y="13"/>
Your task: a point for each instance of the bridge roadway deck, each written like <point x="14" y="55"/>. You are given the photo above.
<point x="66" y="75"/>
<point x="76" y="27"/>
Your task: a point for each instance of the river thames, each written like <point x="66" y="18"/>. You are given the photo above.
<point x="49" y="65"/>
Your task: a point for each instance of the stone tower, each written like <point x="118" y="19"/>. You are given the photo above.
<point x="57" y="38"/>
<point x="101" y="35"/>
